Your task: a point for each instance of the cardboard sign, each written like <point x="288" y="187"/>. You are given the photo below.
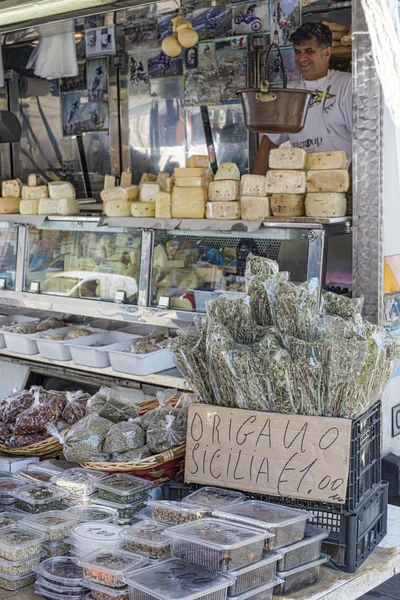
<point x="269" y="453"/>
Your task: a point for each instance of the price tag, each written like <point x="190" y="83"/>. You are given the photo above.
<point x="164" y="302"/>
<point x="3" y="283"/>
<point x="35" y="287"/>
<point x="120" y="296"/>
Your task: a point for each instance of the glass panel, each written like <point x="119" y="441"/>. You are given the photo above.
<point x="84" y="264"/>
<point x="8" y="255"/>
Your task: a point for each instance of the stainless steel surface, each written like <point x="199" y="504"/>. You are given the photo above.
<point x="252" y="78"/>
<point x="22" y="245"/>
<point x="5" y="149"/>
<point x="124" y="116"/>
<point x="114" y="131"/>
<point x="145" y="267"/>
<point x="317" y="254"/>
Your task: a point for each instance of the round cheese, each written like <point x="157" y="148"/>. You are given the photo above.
<point x="9" y="205"/>
<point x="117" y="208"/>
<point x="287" y="205"/>
<point x="29" y="207"/>
<point x="326" y="205"/>
<point x="171" y="47"/>
<point x="188" y="37"/>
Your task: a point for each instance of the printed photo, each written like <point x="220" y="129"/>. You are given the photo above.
<point x="206" y="57"/>
<point x="138" y="73"/>
<point x="201" y="90"/>
<point x="274" y="72"/>
<point x="79" y="116"/>
<point x="161" y="64"/>
<point x="250" y="17"/>
<point x="141" y="34"/>
<point x="100" y="41"/>
<point x="164" y="25"/>
<point x="212" y="22"/>
<point x="192" y="58"/>
<point x="231" y="71"/>
<point x="97" y="79"/>
<point x="285" y="18"/>
<point x="93" y="21"/>
<point x="74" y="84"/>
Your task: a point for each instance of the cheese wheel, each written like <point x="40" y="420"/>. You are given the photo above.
<point x="223" y="210"/>
<point x="254" y="208"/>
<point x="228" y="171"/>
<point x="198" y="160"/>
<point x="287" y="205"/>
<point x="171" y="47"/>
<point x="326" y="205"/>
<point x="224" y="191"/>
<point x="187" y="37"/>
<point x="328" y="181"/>
<point x="130" y="193"/>
<point x="326" y="161"/>
<point x="11" y="188"/>
<point x="29" y="207"/>
<point x="287" y="158"/>
<point x="286" y="182"/>
<point x="61" y="189"/>
<point x="163" y="205"/>
<point x="117" y="208"/>
<point x="143" y="209"/>
<point x="148" y="192"/>
<point x="34" y="192"/>
<point x="253" y="185"/>
<point x="68" y="206"/>
<point x="9" y="205"/>
<point x="189" y="203"/>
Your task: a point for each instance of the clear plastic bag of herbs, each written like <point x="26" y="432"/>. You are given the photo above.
<point x="165" y="426"/>
<point x="335" y="305"/>
<point x="110" y="404"/>
<point x="260" y="268"/>
<point x="124" y="436"/>
<point x="85" y="439"/>
<point x="257" y="287"/>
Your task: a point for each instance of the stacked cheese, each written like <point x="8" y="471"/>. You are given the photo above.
<point x="62" y="200"/>
<point x="286" y="181"/>
<point x="224" y="193"/>
<point x="11" y="192"/>
<point x="117" y="200"/>
<point x="254" y="202"/>
<point x="32" y="194"/>
<point x="327" y="184"/>
<point x="341" y="35"/>
<point x="190" y="191"/>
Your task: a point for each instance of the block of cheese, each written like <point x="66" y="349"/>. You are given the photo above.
<point x="224" y="191"/>
<point x="126" y="178"/>
<point x="32" y="179"/>
<point x="253" y="185"/>
<point x="228" y="171"/>
<point x="336" y="26"/>
<point x="117" y="208"/>
<point x="189" y="203"/>
<point x="192" y="181"/>
<point x="109" y="181"/>
<point x="198" y="160"/>
<point x="29" y="207"/>
<point x="148" y="192"/>
<point x="9" y="206"/>
<point x="254" y="208"/>
<point x="328" y="181"/>
<point x="148" y="178"/>
<point x="162" y="180"/>
<point x="223" y="210"/>
<point x="324" y="161"/>
<point x="11" y="188"/>
<point x="120" y="193"/>
<point x="163" y="205"/>
<point x="286" y="182"/>
<point x="287" y="158"/>
<point x="63" y="206"/>
<point x="143" y="209"/>
<point x="287" y="205"/>
<point x="326" y="205"/>
<point x="192" y="172"/>
<point x="169" y="184"/>
<point x="36" y="192"/>
<point x="61" y="189"/>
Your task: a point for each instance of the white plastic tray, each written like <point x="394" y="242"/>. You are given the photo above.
<point x="58" y="349"/>
<point x="13" y="319"/>
<point x="139" y="364"/>
<point x="86" y="356"/>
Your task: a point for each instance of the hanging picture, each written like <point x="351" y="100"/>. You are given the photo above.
<point x="74" y="84"/>
<point x="274" y="73"/>
<point x="141" y="33"/>
<point x="231" y="70"/>
<point x="79" y="115"/>
<point x="212" y="22"/>
<point x="191" y="58"/>
<point x="97" y="79"/>
<point x="164" y="25"/>
<point x="138" y="73"/>
<point x="93" y="21"/>
<point x="161" y="64"/>
<point x="250" y="17"/>
<point x="285" y="18"/>
<point x="207" y="57"/>
<point x="201" y="90"/>
<point x="100" y="41"/>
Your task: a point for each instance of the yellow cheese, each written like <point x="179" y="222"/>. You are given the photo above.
<point x="148" y="178"/>
<point x="117" y="208"/>
<point x="68" y="206"/>
<point x="143" y="209"/>
<point x="228" y="171"/>
<point x="254" y="208"/>
<point x="48" y="207"/>
<point x="189" y="203"/>
<point x="224" y="191"/>
<point x="32" y="179"/>
<point x="192" y="182"/>
<point x="326" y="205"/>
<point x="287" y="158"/>
<point x="223" y="210"/>
<point x="328" y="181"/>
<point x="11" y="188"/>
<point x="120" y="193"/>
<point x="163" y="205"/>
<point x="286" y="182"/>
<point x="126" y="178"/>
<point x="192" y="172"/>
<point x="169" y="184"/>
<point x="148" y="192"/>
<point x="9" y="205"/>
<point x="34" y="192"/>
<point x="109" y="181"/>
<point x="61" y="189"/>
<point x="324" y="161"/>
<point x="198" y="160"/>
<point x="29" y="207"/>
<point x="287" y="205"/>
<point x="210" y="273"/>
<point x="253" y="185"/>
<point x="162" y="181"/>
<point x="336" y="26"/>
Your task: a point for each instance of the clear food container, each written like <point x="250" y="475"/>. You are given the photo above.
<point x="123" y="488"/>
<point x="300" y="577"/>
<point x="22" y="567"/>
<point x="59" y="588"/>
<point x="62" y="548"/>
<point x="255" y="575"/>
<point x="61" y="570"/>
<point x="35" y="475"/>
<point x="263" y="592"/>
<point x="102" y="592"/>
<point x="91" y="536"/>
<point x="215" y="497"/>
<point x="287" y="524"/>
<point x="39" y="497"/>
<point x="110" y="567"/>
<point x="46" y="593"/>
<point x="175" y="513"/>
<point x="54" y="524"/>
<point x="9" y="517"/>
<point x="78" y="482"/>
<point x="305" y="551"/>
<point x="10" y="583"/>
<point x="7" y="486"/>
<point x="18" y="543"/>
<point x="149" y="538"/>
<point x="86" y="514"/>
<point x="126" y="512"/>
<point x="176" y="580"/>
<point x="216" y="544"/>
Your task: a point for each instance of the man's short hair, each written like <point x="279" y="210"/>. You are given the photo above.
<point x="313" y="31"/>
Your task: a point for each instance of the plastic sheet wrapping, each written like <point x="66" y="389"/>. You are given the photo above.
<point x="110" y="404"/>
<point x="75" y="407"/>
<point x="235" y="315"/>
<point x="124" y="436"/>
<point x="35" y="418"/>
<point x="16" y="403"/>
<point x="260" y="268"/>
<point x="84" y="441"/>
<point x="165" y="426"/>
<point x="259" y="300"/>
<point x="55" y="55"/>
<point x="335" y="305"/>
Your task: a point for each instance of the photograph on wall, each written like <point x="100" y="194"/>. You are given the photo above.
<point x="97" y="79"/>
<point x="250" y="17"/>
<point x="74" y="84"/>
<point x="100" y="41"/>
<point x="274" y="72"/>
<point x="78" y="115"/>
<point x="138" y="73"/>
<point x="161" y="64"/>
<point x="212" y="22"/>
<point x="191" y="60"/>
<point x="201" y="90"/>
<point x="231" y="70"/>
<point x="207" y="57"/>
<point x="93" y="21"/>
<point x="285" y="18"/>
<point x="141" y="33"/>
<point x="164" y="25"/>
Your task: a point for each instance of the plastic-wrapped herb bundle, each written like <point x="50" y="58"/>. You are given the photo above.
<point x="166" y="432"/>
<point x="219" y="343"/>
<point x="259" y="300"/>
<point x="109" y="404"/>
<point x="133" y="455"/>
<point x="163" y="397"/>
<point x="232" y="314"/>
<point x="85" y="439"/>
<point x="335" y="305"/>
<point x="258" y="267"/>
<point x="127" y="435"/>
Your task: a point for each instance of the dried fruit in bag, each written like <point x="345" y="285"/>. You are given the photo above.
<point x="35" y="418"/>
<point x="124" y="436"/>
<point x="16" y="403"/>
<point x="110" y="404"/>
<point x="75" y="407"/>
<point x="5" y="432"/>
<point x="19" y="441"/>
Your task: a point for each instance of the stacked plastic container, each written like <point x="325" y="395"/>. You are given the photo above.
<point x="80" y="484"/>
<point x="55" y="526"/>
<point x="87" y="537"/>
<point x="21" y="550"/>
<point x="39" y="497"/>
<point x="59" y="578"/>
<point x="124" y="493"/>
<point x="7" y="486"/>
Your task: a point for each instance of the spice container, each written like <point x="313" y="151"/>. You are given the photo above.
<point x="17" y="542"/>
<point x="9" y="517"/>
<point x="46" y="593"/>
<point x="125" y="511"/>
<point x="175" y="513"/>
<point x="110" y="567"/>
<point x="85" y="514"/>
<point x="91" y="536"/>
<point x="149" y="538"/>
<point x="263" y="592"/>
<point x="254" y="575"/>
<point x="16" y="583"/>
<point x="287" y="524"/>
<point x="300" y="577"/>
<point x="61" y="570"/>
<point x="122" y="488"/>
<point x="215" y="497"/>
<point x="102" y="592"/>
<point x="62" y="548"/>
<point x="55" y="524"/>
<point x="78" y="482"/>
<point x="59" y="588"/>
<point x="35" y="475"/>
<point x="22" y="567"/>
<point x="7" y="486"/>
<point x="305" y="551"/>
<point x="39" y="497"/>
<point x="216" y="544"/>
<point x="175" y="580"/>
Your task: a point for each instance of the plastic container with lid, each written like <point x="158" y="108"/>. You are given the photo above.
<point x="34" y="475"/>
<point x="46" y="593"/>
<point x="305" y="551"/>
<point x="61" y="548"/>
<point x="175" y="513"/>
<point x="126" y="512"/>
<point x="54" y="524"/>
<point x="78" y="482"/>
<point x="7" y="582"/>
<point x="18" y="542"/>
<point x="86" y="514"/>
<point x="123" y="488"/>
<point x="252" y="576"/>
<point x="7" y="486"/>
<point x="300" y="577"/>
<point x="62" y="570"/>
<point x="92" y="536"/>
<point x="9" y="517"/>
<point x="175" y="580"/>
<point x="21" y="567"/>
<point x="148" y="538"/>
<point x="287" y="524"/>
<point x="110" y="567"/>
<point x="216" y="544"/>
<point x="58" y="588"/>
<point x="102" y="592"/>
<point x="215" y="497"/>
<point x="39" y="497"/>
<point x="263" y="592"/>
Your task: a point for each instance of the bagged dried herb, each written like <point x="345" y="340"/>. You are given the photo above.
<point x="163" y="397"/>
<point x="110" y="404"/>
<point x="165" y="432"/>
<point x="259" y="300"/>
<point x="258" y="267"/>
<point x="133" y="455"/>
<point x="336" y="305"/>
<point x="124" y="436"/>
<point x="85" y="439"/>
<point x="235" y="315"/>
<point x="219" y="343"/>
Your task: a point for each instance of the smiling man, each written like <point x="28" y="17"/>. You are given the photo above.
<point x="329" y="120"/>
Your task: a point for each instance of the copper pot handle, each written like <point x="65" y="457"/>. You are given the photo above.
<point x="264" y="85"/>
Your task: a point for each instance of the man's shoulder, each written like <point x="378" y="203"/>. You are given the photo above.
<point x="340" y="76"/>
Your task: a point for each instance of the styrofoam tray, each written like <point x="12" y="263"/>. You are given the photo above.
<point x="58" y="349"/>
<point x="139" y="364"/>
<point x="13" y="319"/>
<point x="83" y="354"/>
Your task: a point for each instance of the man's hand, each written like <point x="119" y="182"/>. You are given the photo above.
<point x="262" y="158"/>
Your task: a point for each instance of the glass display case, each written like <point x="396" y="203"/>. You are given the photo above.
<point x="8" y="255"/>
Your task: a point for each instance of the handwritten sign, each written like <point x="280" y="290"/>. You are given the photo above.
<point x="269" y="453"/>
